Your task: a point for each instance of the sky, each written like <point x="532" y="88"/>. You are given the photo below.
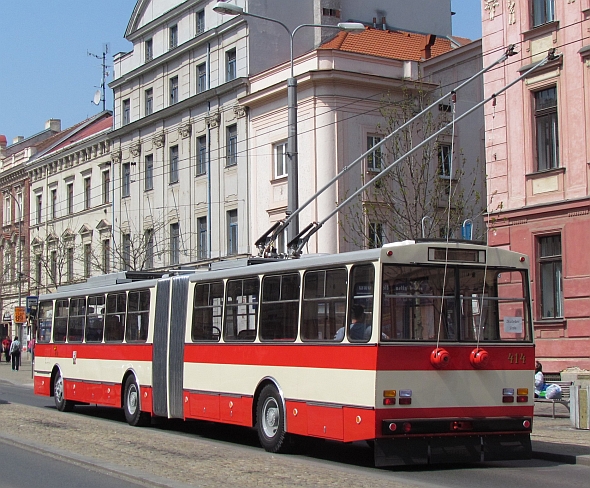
<point x="46" y="71"/>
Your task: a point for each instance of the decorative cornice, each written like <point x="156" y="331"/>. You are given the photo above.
<point x="185" y="130"/>
<point x="159" y="139"/>
<point x="213" y="119"/>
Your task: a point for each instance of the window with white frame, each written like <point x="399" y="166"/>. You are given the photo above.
<point x="546" y="129"/>
<point x="148" y="177"/>
<point x="149" y="248"/>
<point x="174" y="243"/>
<point x="232" y="145"/>
<point x="106" y="256"/>
<point x="53" y="203"/>
<point x="543" y="11"/>
<point x="70" y="264"/>
<point x="87" y="193"/>
<point x="39" y="208"/>
<point x="232" y="232"/>
<point x="173" y="36"/>
<point x="19" y="206"/>
<point x="126" y="111"/>
<point x="202" y="77"/>
<point x="7" y="209"/>
<point x="126" y="252"/>
<point x="70" y="198"/>
<point x="149" y="101"/>
<point x="173" y="173"/>
<point x="280" y="155"/>
<point x="200" y="22"/>
<point x="202" y="244"/>
<point x="149" y="50"/>
<point x="126" y="183"/>
<point x="550" y="273"/>
<point x="374" y="158"/>
<point x="106" y="186"/>
<point x="444" y="160"/>
<point x="201" y="155"/>
<point x="375" y="236"/>
<point x="173" y="90"/>
<point x="87" y="260"/>
<point x="230" y="65"/>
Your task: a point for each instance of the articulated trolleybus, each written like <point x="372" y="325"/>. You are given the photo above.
<point x="424" y="349"/>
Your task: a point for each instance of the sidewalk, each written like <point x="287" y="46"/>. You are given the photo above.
<point x="553" y="439"/>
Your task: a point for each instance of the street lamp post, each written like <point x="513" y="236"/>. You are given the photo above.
<point x="292" y="155"/>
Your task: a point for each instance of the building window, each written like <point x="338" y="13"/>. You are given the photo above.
<point x="53" y="266"/>
<point x="546" y="126"/>
<point x="173" y="90"/>
<point x="106" y="185"/>
<point x="200" y="22"/>
<point x="174" y="243"/>
<point x="39" y="216"/>
<point x="19" y="207"/>
<point x="232" y="145"/>
<point x="173" y="36"/>
<point x="148" y="179"/>
<point x="543" y="12"/>
<point x="149" y="101"/>
<point x="70" y="198"/>
<point x="106" y="256"/>
<point x="126" y="111"/>
<point x="202" y="249"/>
<point x="280" y="153"/>
<point x="374" y="158"/>
<point x="126" y="251"/>
<point x="38" y="270"/>
<point x="174" y="164"/>
<point x="87" y="260"/>
<point x="54" y="203"/>
<point x="230" y="65"/>
<point x="232" y="232"/>
<point x="87" y="193"/>
<point x="375" y="235"/>
<point x="331" y="12"/>
<point x="550" y="277"/>
<point x="444" y="160"/>
<point x="7" y="209"/>
<point x="149" y="248"/>
<point x="149" y="50"/>
<point x="201" y="155"/>
<point x="126" y="184"/>
<point x="70" y="263"/>
<point x="202" y="78"/>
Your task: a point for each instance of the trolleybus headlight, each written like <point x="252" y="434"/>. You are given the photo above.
<point x="508" y="391"/>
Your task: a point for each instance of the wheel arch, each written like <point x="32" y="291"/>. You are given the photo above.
<point x="268" y="380"/>
<point x="128" y="373"/>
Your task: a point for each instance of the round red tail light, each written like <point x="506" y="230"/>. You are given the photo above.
<point x="407" y="427"/>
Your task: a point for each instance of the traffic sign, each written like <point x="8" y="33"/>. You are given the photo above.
<point x="20" y="315"/>
<point x="31" y="303"/>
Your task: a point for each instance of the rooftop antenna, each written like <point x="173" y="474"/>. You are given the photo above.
<point x="99" y="96"/>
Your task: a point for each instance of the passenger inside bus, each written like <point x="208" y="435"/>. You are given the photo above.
<point x="358" y="330"/>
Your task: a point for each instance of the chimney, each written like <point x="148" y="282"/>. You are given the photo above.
<point x="53" y="124"/>
<point x="428" y="43"/>
<point x="383" y="23"/>
<point x="2" y="145"/>
<point x="18" y="139"/>
<point x="374" y="22"/>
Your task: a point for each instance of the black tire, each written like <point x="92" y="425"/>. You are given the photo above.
<point x="61" y="403"/>
<point x="132" y="404"/>
<point x="270" y="420"/>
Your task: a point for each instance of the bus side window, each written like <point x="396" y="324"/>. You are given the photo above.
<point x="60" y="321"/>
<point x="138" y="314"/>
<point x="95" y="319"/>
<point x="279" y="310"/>
<point x="324" y="304"/>
<point x="361" y="290"/>
<point x="45" y="321"/>
<point x="114" y="329"/>
<point x="241" y="310"/>
<point x="208" y="304"/>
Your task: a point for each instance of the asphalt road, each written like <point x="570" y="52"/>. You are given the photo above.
<point x="176" y="453"/>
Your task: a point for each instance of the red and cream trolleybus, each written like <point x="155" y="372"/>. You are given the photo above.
<point x="423" y="348"/>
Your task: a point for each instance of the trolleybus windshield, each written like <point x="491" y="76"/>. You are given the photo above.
<point x="454" y="303"/>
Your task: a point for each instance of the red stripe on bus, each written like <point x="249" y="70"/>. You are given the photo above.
<point x="119" y="352"/>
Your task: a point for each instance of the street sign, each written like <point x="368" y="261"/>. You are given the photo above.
<point x="31" y="304"/>
<point x="20" y="315"/>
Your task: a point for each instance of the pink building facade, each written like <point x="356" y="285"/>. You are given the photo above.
<point x="538" y="163"/>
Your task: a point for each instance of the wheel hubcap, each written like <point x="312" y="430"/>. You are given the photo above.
<point x="59" y="389"/>
<point x="132" y="399"/>
<point x="270" y="417"/>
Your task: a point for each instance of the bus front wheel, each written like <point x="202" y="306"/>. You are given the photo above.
<point x="270" y="420"/>
<point x="132" y="404"/>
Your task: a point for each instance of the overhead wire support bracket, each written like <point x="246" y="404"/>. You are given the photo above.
<point x="297" y="244"/>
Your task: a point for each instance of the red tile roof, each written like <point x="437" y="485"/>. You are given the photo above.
<point x="91" y="129"/>
<point x="405" y="46"/>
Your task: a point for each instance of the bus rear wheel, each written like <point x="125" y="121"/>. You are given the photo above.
<point x="61" y="403"/>
<point x="132" y="404"/>
<point x="270" y="420"/>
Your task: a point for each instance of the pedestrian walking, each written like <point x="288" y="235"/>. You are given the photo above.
<point x="6" y="348"/>
<point x="15" y="353"/>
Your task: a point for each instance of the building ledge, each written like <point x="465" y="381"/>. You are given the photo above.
<point x="541" y="30"/>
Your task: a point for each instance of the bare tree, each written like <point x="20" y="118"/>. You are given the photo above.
<point x="428" y="193"/>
